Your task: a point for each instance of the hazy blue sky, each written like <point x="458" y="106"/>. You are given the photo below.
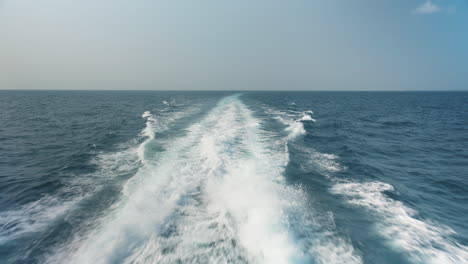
<point x="238" y="44"/>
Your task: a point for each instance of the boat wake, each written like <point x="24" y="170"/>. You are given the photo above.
<point x="215" y="195"/>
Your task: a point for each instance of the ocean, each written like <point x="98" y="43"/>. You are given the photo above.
<point x="233" y="177"/>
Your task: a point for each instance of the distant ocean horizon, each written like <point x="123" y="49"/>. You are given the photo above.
<point x="232" y="91"/>
<point x="119" y="176"/>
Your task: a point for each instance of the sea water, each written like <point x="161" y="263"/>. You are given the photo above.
<point x="233" y="177"/>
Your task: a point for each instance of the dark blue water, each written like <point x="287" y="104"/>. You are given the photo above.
<point x="223" y="177"/>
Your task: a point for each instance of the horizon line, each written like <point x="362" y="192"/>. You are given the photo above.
<point x="182" y="90"/>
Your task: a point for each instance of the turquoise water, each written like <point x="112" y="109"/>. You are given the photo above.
<point x="224" y="177"/>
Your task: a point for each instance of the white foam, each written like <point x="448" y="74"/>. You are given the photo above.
<point x="38" y="215"/>
<point x="293" y="121"/>
<point x="151" y="123"/>
<point x="154" y="125"/>
<point x="326" y="162"/>
<point x="307" y="118"/>
<point x="335" y="250"/>
<point x="148" y="132"/>
<point x="32" y="217"/>
<point x="424" y="241"/>
<point x="146" y="114"/>
<point x="295" y="129"/>
<point x="218" y="196"/>
<point x="111" y="164"/>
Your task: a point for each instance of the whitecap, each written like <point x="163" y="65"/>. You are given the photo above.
<point x="146" y="114"/>
<point x="307" y="117"/>
<point x="293" y="121"/>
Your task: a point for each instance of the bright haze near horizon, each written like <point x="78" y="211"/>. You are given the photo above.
<point x="234" y="45"/>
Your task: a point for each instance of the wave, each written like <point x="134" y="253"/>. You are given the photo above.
<point x="32" y="217"/>
<point x="424" y="241"/>
<point x="295" y="129"/>
<point x="306" y="117"/>
<point x="217" y="194"/>
<point x="320" y="237"/>
<point x="293" y="121"/>
<point x="37" y="216"/>
<point x="146" y="114"/>
<point x="148" y="132"/>
<point x="325" y="163"/>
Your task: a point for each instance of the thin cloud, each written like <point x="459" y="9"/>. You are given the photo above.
<point x="427" y="8"/>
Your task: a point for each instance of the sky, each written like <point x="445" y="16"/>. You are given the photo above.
<point x="234" y="45"/>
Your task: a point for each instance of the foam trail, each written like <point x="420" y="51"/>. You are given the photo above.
<point x="424" y="241"/>
<point x="217" y="195"/>
<point x="321" y="239"/>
